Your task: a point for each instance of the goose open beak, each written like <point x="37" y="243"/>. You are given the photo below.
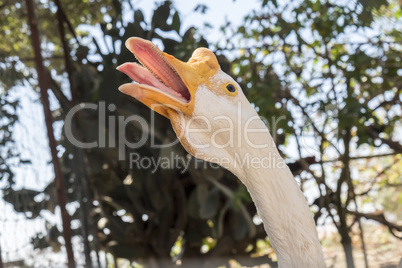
<point x="162" y="81"/>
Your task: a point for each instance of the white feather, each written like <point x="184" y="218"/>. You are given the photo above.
<point x="279" y="201"/>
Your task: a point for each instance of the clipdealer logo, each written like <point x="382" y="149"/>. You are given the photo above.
<point x="112" y="134"/>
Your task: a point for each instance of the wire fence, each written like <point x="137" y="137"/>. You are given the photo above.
<point x="26" y="229"/>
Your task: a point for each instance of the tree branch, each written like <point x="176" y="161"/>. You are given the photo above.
<point x="379" y="217"/>
<point x="362" y="157"/>
<point x="376" y="135"/>
<point x="65" y="103"/>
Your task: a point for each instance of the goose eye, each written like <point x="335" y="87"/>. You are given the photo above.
<point x="231" y="88"/>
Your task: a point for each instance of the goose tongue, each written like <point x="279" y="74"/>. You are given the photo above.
<point x="155" y="71"/>
<point x="143" y="76"/>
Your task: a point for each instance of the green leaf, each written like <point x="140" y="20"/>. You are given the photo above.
<point x="161" y="15"/>
<point x="241" y="227"/>
<point x="201" y="8"/>
<point x="138" y="16"/>
<point x="125" y="251"/>
<point x="176" y="22"/>
<point x="209" y="207"/>
<point x="193" y="206"/>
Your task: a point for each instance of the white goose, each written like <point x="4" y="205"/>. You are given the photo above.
<point x="215" y="122"/>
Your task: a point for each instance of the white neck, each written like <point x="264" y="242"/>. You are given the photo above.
<point x="280" y="204"/>
<point x="279" y="201"/>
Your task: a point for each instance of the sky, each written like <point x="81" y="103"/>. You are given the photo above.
<point x="217" y="13"/>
